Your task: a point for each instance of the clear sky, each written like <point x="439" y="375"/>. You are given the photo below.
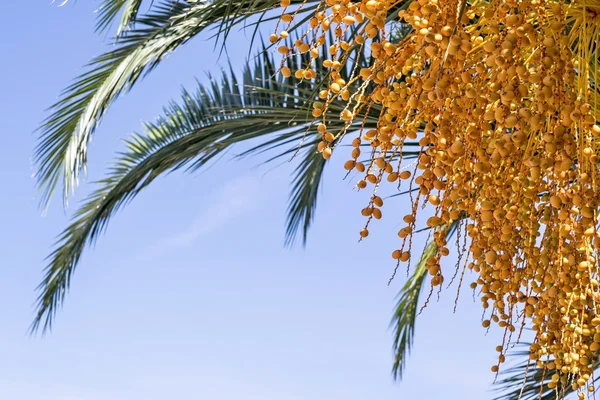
<point x="190" y="294"/>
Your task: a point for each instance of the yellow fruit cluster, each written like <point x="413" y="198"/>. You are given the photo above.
<point x="501" y="96"/>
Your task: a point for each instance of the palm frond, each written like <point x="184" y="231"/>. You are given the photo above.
<point x="61" y="151"/>
<point x="405" y="314"/>
<point x="304" y="194"/>
<point x="198" y="129"/>
<point x="192" y="133"/>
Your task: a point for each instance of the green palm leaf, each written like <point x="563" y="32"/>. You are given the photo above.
<point x="405" y="314"/>
<point x="61" y="151"/>
<point x="191" y="133"/>
<point x="304" y="194"/>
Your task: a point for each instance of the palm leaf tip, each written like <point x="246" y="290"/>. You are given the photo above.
<point x="406" y="311"/>
<point x="304" y="195"/>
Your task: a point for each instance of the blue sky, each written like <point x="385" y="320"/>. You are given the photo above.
<point x="190" y="294"/>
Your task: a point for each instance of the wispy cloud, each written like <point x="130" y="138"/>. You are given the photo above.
<point x="232" y="200"/>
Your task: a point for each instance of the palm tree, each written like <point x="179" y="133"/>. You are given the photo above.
<point x="202" y="125"/>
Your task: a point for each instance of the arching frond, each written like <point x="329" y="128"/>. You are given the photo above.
<point x="202" y="126"/>
<point x="61" y="152"/>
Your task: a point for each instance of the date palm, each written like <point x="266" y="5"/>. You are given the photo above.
<point x="203" y="124"/>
